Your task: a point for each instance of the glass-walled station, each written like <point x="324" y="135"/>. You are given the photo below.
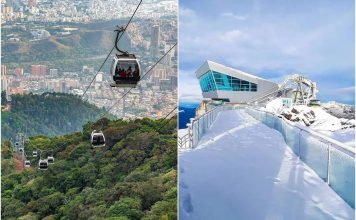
<point x="212" y="80"/>
<point x="219" y="82"/>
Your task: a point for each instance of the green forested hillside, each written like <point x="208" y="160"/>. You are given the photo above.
<point x="48" y="114"/>
<point x="133" y="177"/>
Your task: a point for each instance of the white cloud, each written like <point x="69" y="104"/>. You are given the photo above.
<point x="188" y="86"/>
<point x="186" y="12"/>
<point x="231" y="36"/>
<point x="278" y="40"/>
<point x="346" y="90"/>
<point x="234" y="16"/>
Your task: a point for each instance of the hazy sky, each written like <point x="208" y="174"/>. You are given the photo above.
<point x="270" y="39"/>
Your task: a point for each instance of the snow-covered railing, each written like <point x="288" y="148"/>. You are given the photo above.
<point x="332" y="160"/>
<point x="198" y="127"/>
<point x="184" y="141"/>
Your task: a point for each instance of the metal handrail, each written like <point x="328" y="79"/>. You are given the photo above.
<point x="208" y="112"/>
<point x="197" y="127"/>
<point x="182" y="141"/>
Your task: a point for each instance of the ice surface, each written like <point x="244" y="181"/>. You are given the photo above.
<point x="242" y="169"/>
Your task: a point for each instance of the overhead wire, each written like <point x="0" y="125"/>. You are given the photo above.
<point x="107" y="57"/>
<point x="151" y="68"/>
<point x="148" y="71"/>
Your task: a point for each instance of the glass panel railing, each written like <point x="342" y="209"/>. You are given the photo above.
<point x="314" y="153"/>
<point x="200" y="125"/>
<point x="342" y="175"/>
<point x="331" y="160"/>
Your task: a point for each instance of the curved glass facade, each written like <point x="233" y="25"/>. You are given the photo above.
<point x="207" y="83"/>
<point x="212" y="80"/>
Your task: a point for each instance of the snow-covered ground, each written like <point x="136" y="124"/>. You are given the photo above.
<point x="316" y="118"/>
<point x="242" y="169"/>
<point x="182" y="132"/>
<point x="346" y="136"/>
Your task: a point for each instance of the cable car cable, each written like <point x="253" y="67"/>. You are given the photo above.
<point x="107" y="57"/>
<point x="148" y="71"/>
<point x="101" y="134"/>
<point x="168" y="119"/>
<point x="143" y="76"/>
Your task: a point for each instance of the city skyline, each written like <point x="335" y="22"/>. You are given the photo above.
<point x="37" y="73"/>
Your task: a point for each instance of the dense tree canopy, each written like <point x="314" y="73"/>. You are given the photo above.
<point x="48" y="114"/>
<point x="133" y="177"/>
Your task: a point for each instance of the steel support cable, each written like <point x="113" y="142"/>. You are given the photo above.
<point x="166" y="118"/>
<point x="157" y="130"/>
<point x="152" y="67"/>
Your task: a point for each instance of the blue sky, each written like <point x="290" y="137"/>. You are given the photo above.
<point x="270" y="39"/>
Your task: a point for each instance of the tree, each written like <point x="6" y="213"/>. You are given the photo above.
<point x="129" y="207"/>
<point x="131" y="178"/>
<point x="163" y="210"/>
<point x="11" y="208"/>
<point x="29" y="216"/>
<point x="23" y="193"/>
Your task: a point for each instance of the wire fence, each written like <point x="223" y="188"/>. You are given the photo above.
<point x="332" y="160"/>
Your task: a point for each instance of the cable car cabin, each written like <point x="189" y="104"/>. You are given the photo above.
<point x="34" y="153"/>
<point x="50" y="159"/>
<point x="21" y="149"/>
<point x="43" y="164"/>
<point x="97" y="139"/>
<point x="27" y="163"/>
<point x="125" y="71"/>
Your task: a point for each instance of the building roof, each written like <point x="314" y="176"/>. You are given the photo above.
<point x="210" y="65"/>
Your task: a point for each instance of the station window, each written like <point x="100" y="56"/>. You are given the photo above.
<point x="212" y="80"/>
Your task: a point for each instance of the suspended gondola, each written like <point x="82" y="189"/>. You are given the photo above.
<point x="34" y="153"/>
<point x="125" y="68"/>
<point x="27" y="163"/>
<point x="50" y="159"/>
<point x="97" y="139"/>
<point x="43" y="164"/>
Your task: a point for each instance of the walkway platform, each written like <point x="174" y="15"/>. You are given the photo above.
<point x="242" y="169"/>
